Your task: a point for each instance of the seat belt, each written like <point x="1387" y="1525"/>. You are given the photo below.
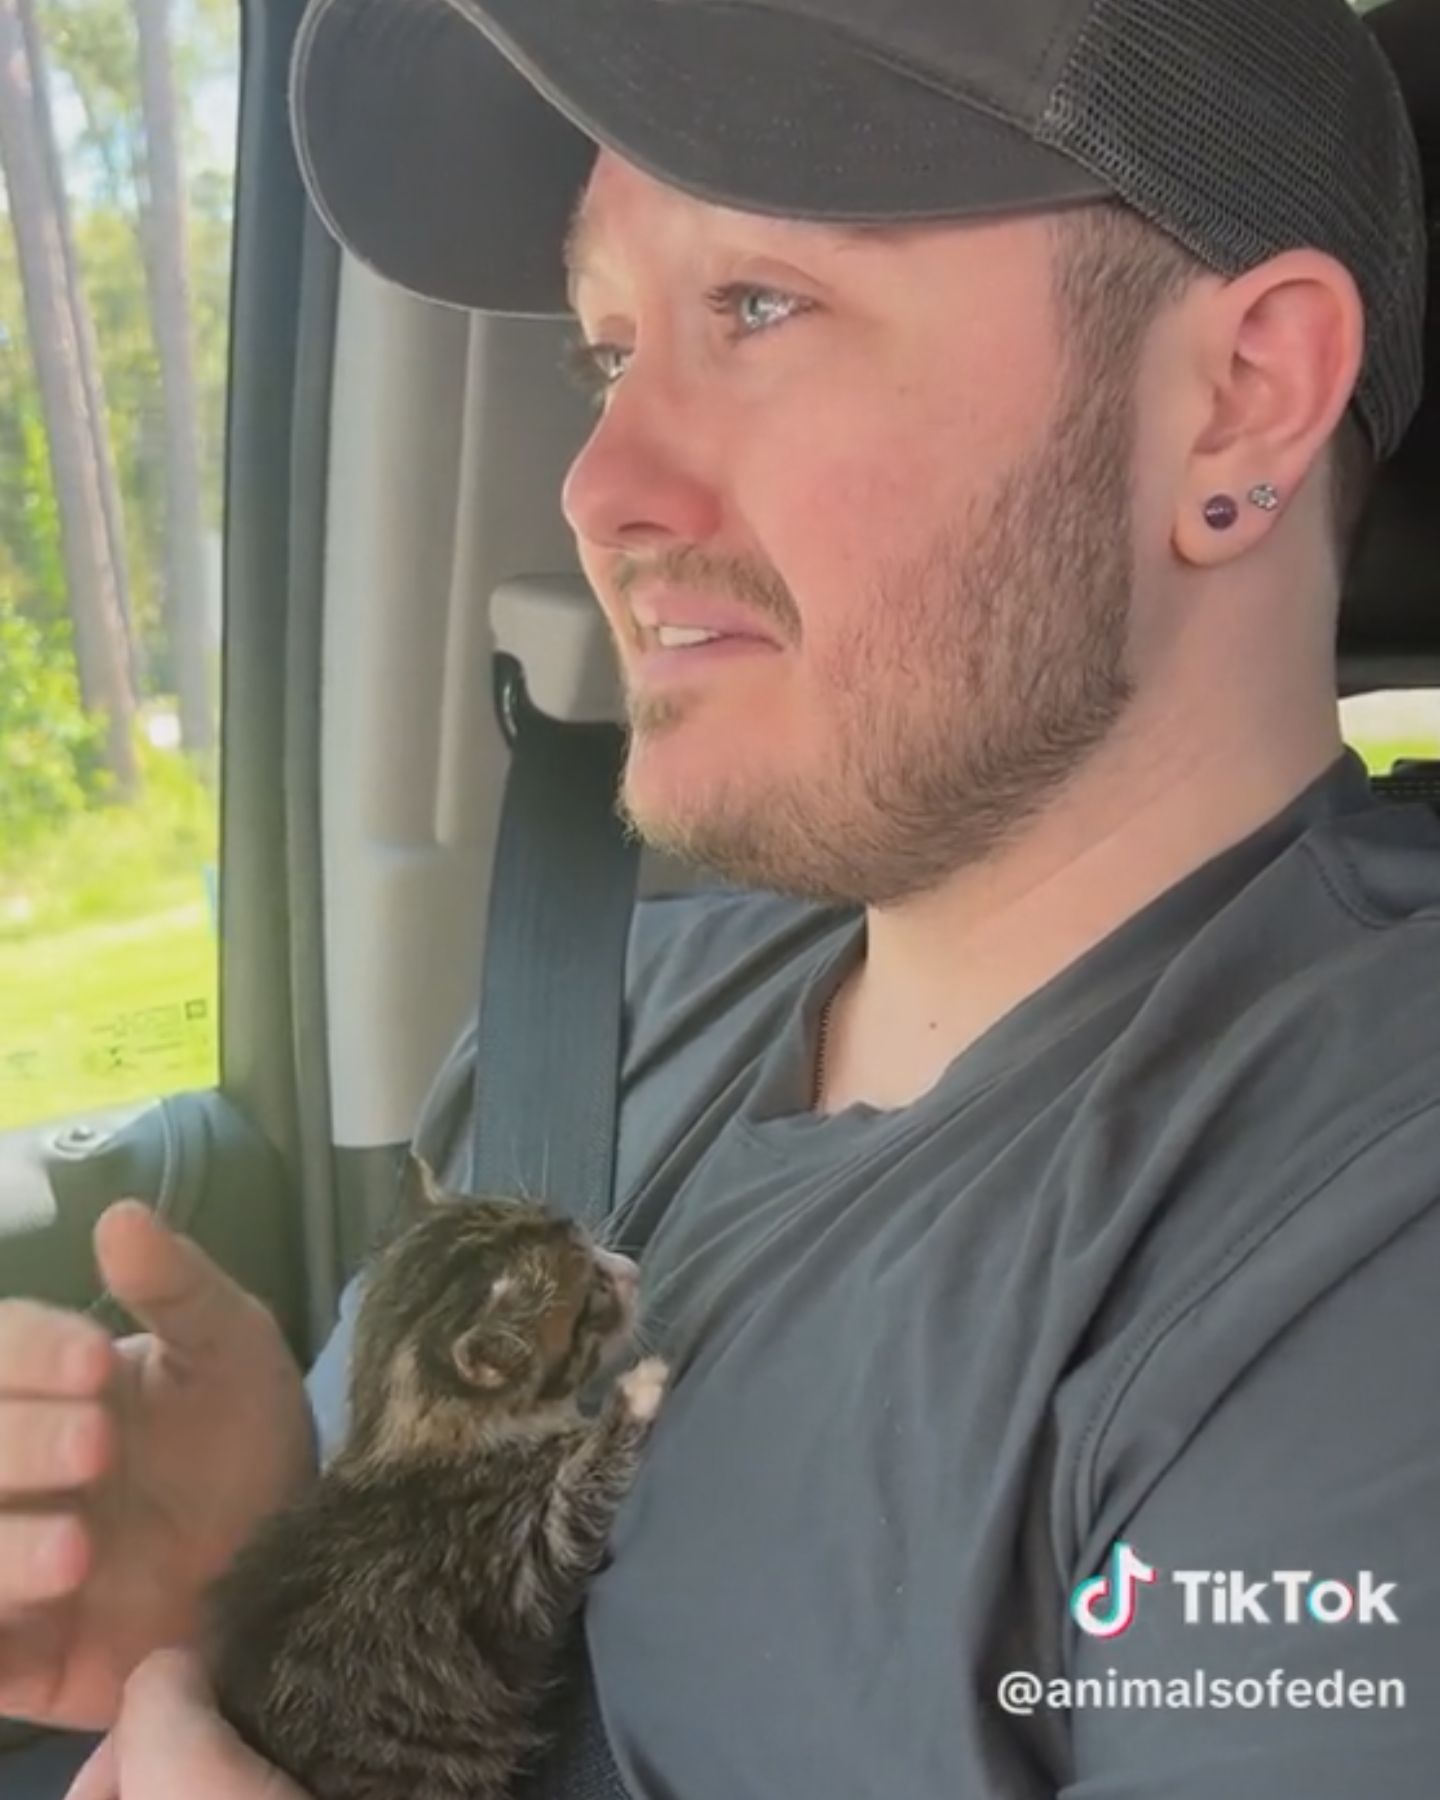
<point x="549" y="1042"/>
<point x="1408" y="780"/>
<point x="558" y="915"/>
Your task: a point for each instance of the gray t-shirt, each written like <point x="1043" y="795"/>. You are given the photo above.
<point x="1157" y="1260"/>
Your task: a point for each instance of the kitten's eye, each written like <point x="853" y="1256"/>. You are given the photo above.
<point x="600" y="1312"/>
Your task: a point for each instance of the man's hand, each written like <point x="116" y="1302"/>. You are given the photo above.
<point x="169" y="1743"/>
<point x="131" y="1473"/>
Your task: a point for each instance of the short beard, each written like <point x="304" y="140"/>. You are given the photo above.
<point x="978" y="679"/>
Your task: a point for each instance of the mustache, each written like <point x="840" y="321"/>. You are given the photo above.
<point x="686" y="566"/>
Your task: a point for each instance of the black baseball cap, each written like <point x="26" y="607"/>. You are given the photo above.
<point x="445" y="142"/>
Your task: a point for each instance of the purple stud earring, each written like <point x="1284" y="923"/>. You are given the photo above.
<point x="1221" y="512"/>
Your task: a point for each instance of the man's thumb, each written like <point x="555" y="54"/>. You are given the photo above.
<point x="173" y="1683"/>
<point x="174" y="1745"/>
<point x="99" y="1779"/>
<point x="164" y="1280"/>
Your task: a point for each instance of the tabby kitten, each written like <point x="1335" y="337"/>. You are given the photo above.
<point x="393" y="1634"/>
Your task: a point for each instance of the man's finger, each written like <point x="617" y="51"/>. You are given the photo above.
<point x="52" y="1447"/>
<point x="43" y="1556"/>
<point x="46" y="1352"/>
<point x="164" y="1280"/>
<point x="99" y="1779"/>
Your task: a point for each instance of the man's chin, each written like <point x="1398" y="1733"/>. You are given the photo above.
<point x="725" y="843"/>
<point x="666" y="811"/>
<point x="663" y="820"/>
<point x="669" y="767"/>
<point x="708" y="807"/>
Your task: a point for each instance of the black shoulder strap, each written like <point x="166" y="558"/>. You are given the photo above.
<point x="547" y="1062"/>
<point x="1410" y="779"/>
<point x="547" y="1065"/>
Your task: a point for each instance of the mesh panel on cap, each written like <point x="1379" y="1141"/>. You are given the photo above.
<point x="1245" y="129"/>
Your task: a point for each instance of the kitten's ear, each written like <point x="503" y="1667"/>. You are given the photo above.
<point x="423" y="1176"/>
<point x="491" y="1356"/>
<point x="418" y="1192"/>
<point x="414" y="1197"/>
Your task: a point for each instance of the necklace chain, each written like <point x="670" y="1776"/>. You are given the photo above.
<point x="822" y="1048"/>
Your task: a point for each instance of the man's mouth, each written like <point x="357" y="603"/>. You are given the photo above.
<point x="681" y="637"/>
<point x="677" y="619"/>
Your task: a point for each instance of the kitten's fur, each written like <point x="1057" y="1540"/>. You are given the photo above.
<point x="393" y="1634"/>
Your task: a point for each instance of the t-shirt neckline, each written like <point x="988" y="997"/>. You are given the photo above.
<point x="779" y="1107"/>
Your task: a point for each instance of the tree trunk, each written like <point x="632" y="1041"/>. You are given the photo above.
<point x="100" y="645"/>
<point x="168" y="280"/>
<point x="84" y="334"/>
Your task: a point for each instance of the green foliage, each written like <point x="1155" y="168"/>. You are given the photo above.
<point x="108" y="959"/>
<point x="110" y="864"/>
<point x="94" y="70"/>
<point x="51" y="753"/>
<point x="29" y="516"/>
<point x="115" y="287"/>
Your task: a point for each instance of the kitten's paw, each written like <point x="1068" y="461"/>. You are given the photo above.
<point x="643" y="1388"/>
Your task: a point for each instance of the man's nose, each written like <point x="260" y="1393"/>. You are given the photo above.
<point x="638" y="483"/>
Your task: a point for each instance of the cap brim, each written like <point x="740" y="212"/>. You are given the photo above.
<point x="444" y="142"/>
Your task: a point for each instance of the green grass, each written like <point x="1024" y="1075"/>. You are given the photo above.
<point x="101" y="1014"/>
<point x="115" y="862"/>
<point x="108" y="963"/>
<point x="1380" y="756"/>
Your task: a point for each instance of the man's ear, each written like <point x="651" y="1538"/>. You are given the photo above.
<point x="492" y="1355"/>
<point x="1281" y="355"/>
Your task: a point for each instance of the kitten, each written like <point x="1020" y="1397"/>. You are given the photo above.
<point x="394" y="1634"/>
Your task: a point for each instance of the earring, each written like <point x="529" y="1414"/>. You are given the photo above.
<point x="1221" y="512"/>
<point x="1266" y="496"/>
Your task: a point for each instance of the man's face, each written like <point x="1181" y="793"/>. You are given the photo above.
<point x="862" y="459"/>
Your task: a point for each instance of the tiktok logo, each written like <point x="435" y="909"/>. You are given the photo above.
<point x="1104" y="1605"/>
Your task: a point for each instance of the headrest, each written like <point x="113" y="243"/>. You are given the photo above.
<point x="1391" y="611"/>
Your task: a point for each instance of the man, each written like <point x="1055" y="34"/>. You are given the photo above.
<point x="1037" y="1187"/>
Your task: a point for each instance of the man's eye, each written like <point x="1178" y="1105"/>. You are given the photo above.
<point x="594" y="368"/>
<point x="754" y="309"/>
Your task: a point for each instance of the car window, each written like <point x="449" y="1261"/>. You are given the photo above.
<point x="1392" y="727"/>
<point x="117" y="121"/>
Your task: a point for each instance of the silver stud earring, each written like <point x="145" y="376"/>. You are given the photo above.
<point x="1265" y="495"/>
